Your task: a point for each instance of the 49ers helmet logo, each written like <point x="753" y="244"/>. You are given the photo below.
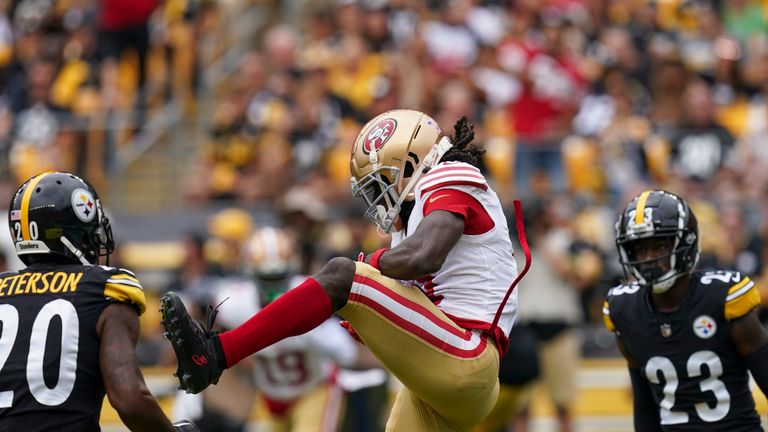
<point x="379" y="134"/>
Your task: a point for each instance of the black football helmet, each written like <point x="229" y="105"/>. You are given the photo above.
<point x="58" y="213"/>
<point x="663" y="215"/>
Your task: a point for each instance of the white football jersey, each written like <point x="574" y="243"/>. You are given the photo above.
<point x="293" y="366"/>
<point x="479" y="270"/>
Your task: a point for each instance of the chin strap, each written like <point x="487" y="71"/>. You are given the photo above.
<point x="77" y="252"/>
<point x="526" y="250"/>
<point x="432" y="158"/>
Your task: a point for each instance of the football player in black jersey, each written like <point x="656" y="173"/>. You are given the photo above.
<point x="690" y="337"/>
<point x="68" y="326"/>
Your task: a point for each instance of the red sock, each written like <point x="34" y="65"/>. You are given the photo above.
<point x="296" y="312"/>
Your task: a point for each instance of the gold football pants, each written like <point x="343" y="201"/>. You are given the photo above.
<point x="316" y="411"/>
<point x="450" y="374"/>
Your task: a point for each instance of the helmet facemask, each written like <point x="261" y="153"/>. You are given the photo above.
<point x="94" y="243"/>
<point x="103" y="234"/>
<point x="390" y="154"/>
<point x="381" y="198"/>
<point x="381" y="195"/>
<point x="651" y="271"/>
<point x="673" y="224"/>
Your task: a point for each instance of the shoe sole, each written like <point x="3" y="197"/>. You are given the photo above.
<point x="169" y="305"/>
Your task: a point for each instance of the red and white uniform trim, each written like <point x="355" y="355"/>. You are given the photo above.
<point x="330" y="414"/>
<point x="416" y="319"/>
<point x="477" y="273"/>
<point x="332" y="410"/>
<point x="452" y="174"/>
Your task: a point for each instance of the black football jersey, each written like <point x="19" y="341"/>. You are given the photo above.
<point x="49" y="350"/>
<point x="697" y="377"/>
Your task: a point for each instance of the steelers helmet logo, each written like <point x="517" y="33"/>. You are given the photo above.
<point x="704" y="327"/>
<point x="83" y="205"/>
<point x="379" y="134"/>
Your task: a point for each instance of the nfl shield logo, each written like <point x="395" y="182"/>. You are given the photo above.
<point x="666" y="330"/>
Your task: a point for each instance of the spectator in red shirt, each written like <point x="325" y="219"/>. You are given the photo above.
<point x="551" y="90"/>
<point x="124" y="24"/>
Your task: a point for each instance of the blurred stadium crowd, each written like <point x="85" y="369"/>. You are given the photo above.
<point x="580" y="104"/>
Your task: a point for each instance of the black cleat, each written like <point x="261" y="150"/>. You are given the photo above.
<point x="195" y="353"/>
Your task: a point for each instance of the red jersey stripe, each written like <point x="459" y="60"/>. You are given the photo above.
<point x="417" y="331"/>
<point x="429" y="178"/>
<point x="483" y="186"/>
<point x="502" y="341"/>
<point x="476" y="218"/>
<point x="421" y="310"/>
<point x="443" y="168"/>
<point x="332" y="409"/>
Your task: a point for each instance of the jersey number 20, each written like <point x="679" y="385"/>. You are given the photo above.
<point x="70" y="331"/>
<point x="694" y="369"/>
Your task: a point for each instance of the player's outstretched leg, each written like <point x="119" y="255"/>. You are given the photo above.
<point x="198" y="360"/>
<point x="202" y="356"/>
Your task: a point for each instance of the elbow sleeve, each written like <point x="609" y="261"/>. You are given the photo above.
<point x="646" y="413"/>
<point x="757" y="362"/>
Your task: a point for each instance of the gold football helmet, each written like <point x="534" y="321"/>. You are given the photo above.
<point x="271" y="258"/>
<point x="390" y="154"/>
<point x="270" y="253"/>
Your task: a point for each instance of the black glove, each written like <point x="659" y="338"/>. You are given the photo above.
<point x="186" y="426"/>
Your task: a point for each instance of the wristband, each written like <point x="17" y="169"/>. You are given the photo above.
<point x="374" y="261"/>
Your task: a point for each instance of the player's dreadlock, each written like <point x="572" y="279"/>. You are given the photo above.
<point x="462" y="151"/>
<point x="463" y="134"/>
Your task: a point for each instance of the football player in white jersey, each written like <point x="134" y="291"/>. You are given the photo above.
<point x="295" y="376"/>
<point x="434" y="308"/>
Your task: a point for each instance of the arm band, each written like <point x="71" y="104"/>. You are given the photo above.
<point x="374" y="261"/>
<point x="646" y="412"/>
<point x="757" y="362"/>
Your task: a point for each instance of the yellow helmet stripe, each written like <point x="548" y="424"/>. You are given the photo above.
<point x="25" y="205"/>
<point x="640" y="210"/>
